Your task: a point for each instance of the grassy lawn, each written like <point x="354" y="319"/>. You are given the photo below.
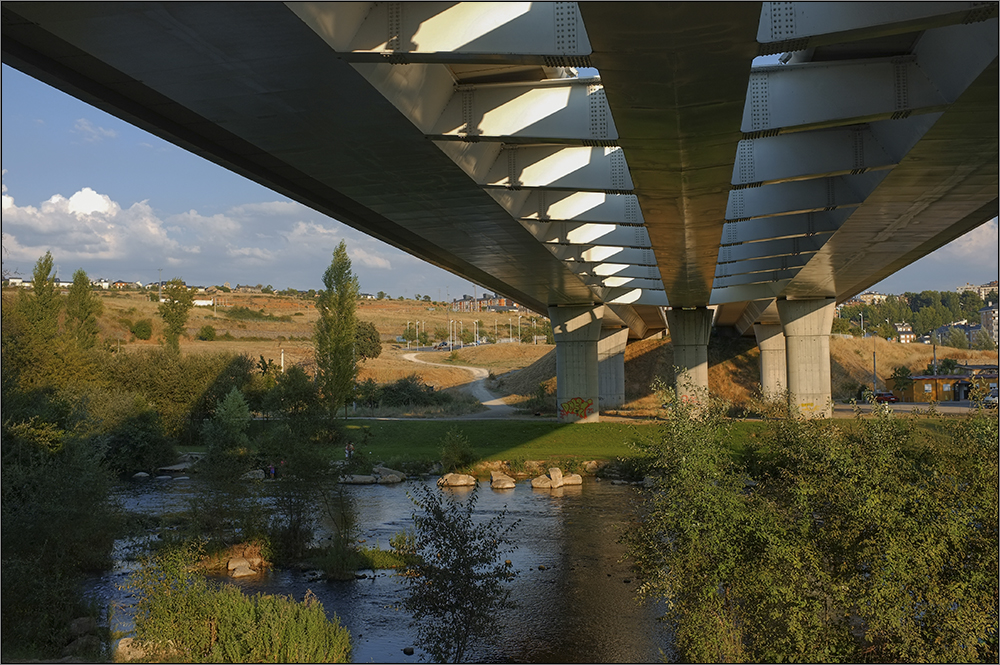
<point x="421" y="440"/>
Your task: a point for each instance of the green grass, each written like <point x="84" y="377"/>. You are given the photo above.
<point x="521" y="440"/>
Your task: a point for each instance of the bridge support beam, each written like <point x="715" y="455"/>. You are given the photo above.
<point x="689" y="332"/>
<point x="806" y="324"/>
<point x="771" y="342"/>
<point x="611" y="367"/>
<point x="577" y="330"/>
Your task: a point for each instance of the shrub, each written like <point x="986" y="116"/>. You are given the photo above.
<point x="457" y="452"/>
<point x="823" y="542"/>
<point x="456" y="589"/>
<point x="180" y="617"/>
<point x="143" y="329"/>
<point x="206" y="334"/>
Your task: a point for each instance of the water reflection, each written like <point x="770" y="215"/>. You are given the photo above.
<point x="575" y="600"/>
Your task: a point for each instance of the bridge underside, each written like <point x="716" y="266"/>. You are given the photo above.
<point x="682" y="176"/>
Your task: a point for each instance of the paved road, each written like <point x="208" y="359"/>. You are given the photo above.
<point x="496" y="407"/>
<point x="943" y="408"/>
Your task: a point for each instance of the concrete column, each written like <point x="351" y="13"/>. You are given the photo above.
<point x="576" y="330"/>
<point x="611" y="367"/>
<point x="807" y="325"/>
<point x="689" y="333"/>
<point x="771" y="342"/>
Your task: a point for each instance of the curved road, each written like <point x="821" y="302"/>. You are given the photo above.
<point x="497" y="409"/>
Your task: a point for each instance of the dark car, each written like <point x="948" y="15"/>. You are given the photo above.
<point x="886" y="397"/>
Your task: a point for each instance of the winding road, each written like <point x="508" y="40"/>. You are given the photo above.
<point x="496" y="407"/>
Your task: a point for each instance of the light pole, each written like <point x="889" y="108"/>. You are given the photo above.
<point x="510" y="329"/>
<point x="518" y="328"/>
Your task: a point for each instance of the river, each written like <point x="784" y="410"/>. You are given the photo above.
<point x="575" y="599"/>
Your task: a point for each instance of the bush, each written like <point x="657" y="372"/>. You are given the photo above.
<point x="823" y="542"/>
<point x="143" y="329"/>
<point x="180" y="617"/>
<point x="206" y="334"/>
<point x="457" y="452"/>
<point x="456" y="589"/>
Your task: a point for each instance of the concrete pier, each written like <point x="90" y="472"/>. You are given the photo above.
<point x="806" y="324"/>
<point x="689" y="332"/>
<point x="773" y="372"/>
<point x="611" y="367"/>
<point x="577" y="330"/>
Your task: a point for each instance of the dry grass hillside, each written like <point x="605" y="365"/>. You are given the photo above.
<point x="734" y="368"/>
<point x="519" y="368"/>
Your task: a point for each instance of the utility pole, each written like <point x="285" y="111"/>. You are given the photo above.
<point x="159" y="287"/>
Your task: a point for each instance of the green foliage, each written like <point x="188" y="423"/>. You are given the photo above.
<point x="408" y="391"/>
<point x="956" y="338"/>
<point x="456" y="451"/>
<point x="983" y="342"/>
<point x="334" y="339"/>
<point x="901" y="379"/>
<point x="82" y="310"/>
<point x="367" y="343"/>
<point x="207" y="333"/>
<point x="142" y="329"/>
<point x="177" y="303"/>
<point x="182" y="618"/>
<point x="456" y="591"/>
<point x="55" y="526"/>
<point x="226" y="435"/>
<point x="821" y="543"/>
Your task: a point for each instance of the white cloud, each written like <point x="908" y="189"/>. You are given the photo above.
<point x="369" y="259"/>
<point x="92" y="133"/>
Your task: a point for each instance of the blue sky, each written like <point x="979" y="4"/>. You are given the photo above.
<point x="121" y="204"/>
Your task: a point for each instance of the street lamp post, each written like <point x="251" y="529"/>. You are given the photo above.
<point x="510" y="329"/>
<point x="518" y="328"/>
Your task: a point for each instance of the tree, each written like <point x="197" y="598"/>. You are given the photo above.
<point x="956" y="338"/>
<point x="380" y="295"/>
<point x="43" y="304"/>
<point x="82" y="310"/>
<point x="177" y="303"/>
<point x="983" y="341"/>
<point x="334" y="339"/>
<point x="368" y="344"/>
<point x="456" y="589"/>
<point x="901" y="378"/>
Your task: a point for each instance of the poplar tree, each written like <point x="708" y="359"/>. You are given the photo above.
<point x="82" y="310"/>
<point x="335" y="330"/>
<point x="177" y="303"/>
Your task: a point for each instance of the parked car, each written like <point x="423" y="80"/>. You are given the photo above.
<point x="886" y="397"/>
<point x="991" y="399"/>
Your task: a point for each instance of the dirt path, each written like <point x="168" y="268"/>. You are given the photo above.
<point x="497" y="409"/>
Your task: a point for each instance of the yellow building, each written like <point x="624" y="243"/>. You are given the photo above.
<point x="946" y="388"/>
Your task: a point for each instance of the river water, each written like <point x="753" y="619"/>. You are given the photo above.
<point x="575" y="599"/>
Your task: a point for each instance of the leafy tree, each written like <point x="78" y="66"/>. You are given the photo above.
<point x="423" y="338"/>
<point x="440" y="333"/>
<point x="368" y="343"/>
<point x="409" y="333"/>
<point x="956" y="338"/>
<point x="983" y="341"/>
<point x="842" y="326"/>
<point x="82" y="310"/>
<point x="426" y="298"/>
<point x="43" y="311"/>
<point x="334" y="339"/>
<point x="207" y="333"/>
<point x="456" y="590"/>
<point x="901" y="378"/>
<point x="178" y="301"/>
<point x="381" y="295"/>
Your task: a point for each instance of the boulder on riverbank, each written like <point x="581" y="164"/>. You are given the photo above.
<point x="456" y="480"/>
<point x="357" y="479"/>
<point x="555" y="479"/>
<point x="501" y="481"/>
